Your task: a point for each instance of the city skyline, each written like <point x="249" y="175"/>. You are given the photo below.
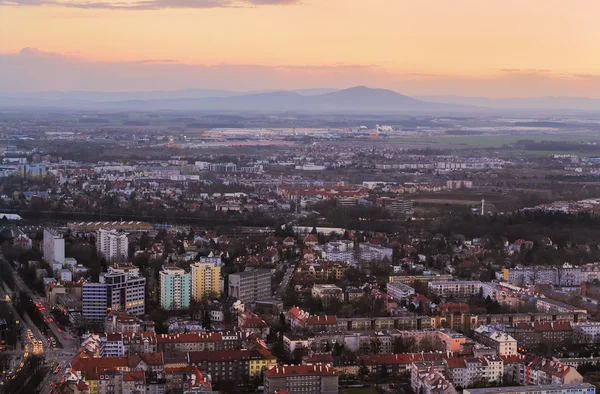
<point x="469" y="48"/>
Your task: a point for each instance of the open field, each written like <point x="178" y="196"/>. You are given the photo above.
<point x="497" y="141"/>
<point x="363" y="390"/>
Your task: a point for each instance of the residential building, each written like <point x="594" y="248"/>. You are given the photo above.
<point x="250" y="323"/>
<point x="251" y="285"/>
<point x="54" y="247"/>
<point x="115" y="292"/>
<point x="206" y="280"/>
<point x="533" y="370"/>
<point x="124" y="322"/>
<point x="434" y="382"/>
<point x="425" y="279"/>
<point x="327" y="292"/>
<point x="501" y="341"/>
<point x="586" y="332"/>
<point x="309" y="379"/>
<point x="112" y="244"/>
<point x="455" y="289"/>
<point x="468" y="371"/>
<point x="399" y="291"/>
<point x="531" y="335"/>
<point x="175" y="288"/>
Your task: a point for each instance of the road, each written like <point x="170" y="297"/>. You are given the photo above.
<point x="58" y="357"/>
<point x="65" y="338"/>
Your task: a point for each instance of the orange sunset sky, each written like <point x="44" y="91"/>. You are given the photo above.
<point x="464" y="47"/>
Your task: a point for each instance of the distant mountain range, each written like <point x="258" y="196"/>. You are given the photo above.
<point x="354" y="99"/>
<point x="562" y="103"/>
<point x="358" y="98"/>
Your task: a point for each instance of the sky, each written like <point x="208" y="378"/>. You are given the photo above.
<point x="493" y="48"/>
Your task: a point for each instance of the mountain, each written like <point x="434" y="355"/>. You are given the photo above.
<point x="353" y="99"/>
<point x="358" y="98"/>
<point x="559" y="103"/>
<point x="145" y="95"/>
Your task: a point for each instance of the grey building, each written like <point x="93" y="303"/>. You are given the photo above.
<point x="250" y="286"/>
<point x="115" y="292"/>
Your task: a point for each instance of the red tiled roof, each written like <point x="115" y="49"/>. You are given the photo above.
<point x="322" y="320"/>
<point x="456" y="362"/>
<point x="399" y="358"/>
<point x="189" y="337"/>
<point x="218" y="356"/>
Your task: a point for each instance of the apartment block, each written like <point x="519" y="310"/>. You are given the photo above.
<point x="175" y="288"/>
<point x="504" y="344"/>
<point x="115" y="292"/>
<point x="206" y="280"/>
<point x="399" y="291"/>
<point x="251" y="285"/>
<point x="54" y="247"/>
<point x="112" y="244"/>
<point x="455" y="289"/>
<point x="309" y="379"/>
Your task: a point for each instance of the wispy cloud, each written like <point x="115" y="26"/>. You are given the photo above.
<point x="36" y="70"/>
<point x="147" y="4"/>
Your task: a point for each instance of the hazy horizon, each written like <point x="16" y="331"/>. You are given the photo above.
<point x="466" y="48"/>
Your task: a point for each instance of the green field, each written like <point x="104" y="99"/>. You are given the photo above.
<point x="363" y="390"/>
<point x="497" y="141"/>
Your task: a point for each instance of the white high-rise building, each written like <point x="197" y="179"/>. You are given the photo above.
<point x="54" y="246"/>
<point x="112" y="244"/>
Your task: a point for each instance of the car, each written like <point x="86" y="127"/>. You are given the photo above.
<point x="64" y="336"/>
<point x="58" y="329"/>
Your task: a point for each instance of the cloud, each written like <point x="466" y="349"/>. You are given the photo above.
<point x="34" y="70"/>
<point x="148" y="4"/>
<point x="525" y="70"/>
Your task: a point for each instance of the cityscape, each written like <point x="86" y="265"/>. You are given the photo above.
<point x="299" y="196"/>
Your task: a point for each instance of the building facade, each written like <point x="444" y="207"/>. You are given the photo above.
<point x="54" y="247"/>
<point x="113" y="245"/>
<point x="115" y="292"/>
<point x="251" y="286"/>
<point x="205" y="280"/>
<point x="309" y="379"/>
<point x="175" y="288"/>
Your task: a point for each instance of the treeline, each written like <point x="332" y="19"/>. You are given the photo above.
<point x="563" y="229"/>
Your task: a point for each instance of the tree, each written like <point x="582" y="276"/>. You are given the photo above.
<point x="403" y="345"/>
<point x="375" y="345"/>
<point x="206" y="321"/>
<point x="282" y="322"/>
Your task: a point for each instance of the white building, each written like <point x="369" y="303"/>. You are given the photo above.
<point x="399" y="291"/>
<point x="369" y="252"/>
<point x="586" y="332"/>
<point x="113" y="245"/>
<point x="465" y="288"/>
<point x="504" y="344"/>
<point x="65" y="275"/>
<point x="467" y="371"/>
<point x="54" y="246"/>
